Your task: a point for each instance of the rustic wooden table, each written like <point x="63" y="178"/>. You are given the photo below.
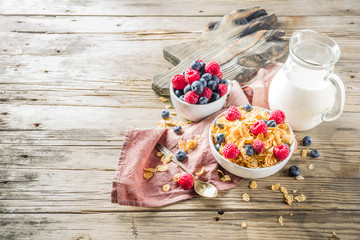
<point x="75" y="73"/>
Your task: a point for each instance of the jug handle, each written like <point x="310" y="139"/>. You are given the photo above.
<point x="339" y="100"/>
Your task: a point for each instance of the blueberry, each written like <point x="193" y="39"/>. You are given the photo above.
<point x="264" y="120"/>
<point x="220" y="138"/>
<point x="271" y="123"/>
<point x="196" y="65"/>
<point x="187" y="88"/>
<point x="180" y="155"/>
<point x="178" y="93"/>
<point x="203" y="82"/>
<point x="215" y="96"/>
<point x="177" y="129"/>
<point x="247" y="107"/>
<point x="202" y="69"/>
<point x="203" y="100"/>
<point x="212" y="85"/>
<point x="217" y="146"/>
<point x="216" y="79"/>
<point x="165" y="114"/>
<point x="307" y="141"/>
<point x="182" y="98"/>
<point x="206" y="76"/>
<point x="314" y="153"/>
<point x="224" y="81"/>
<point x="249" y="149"/>
<point x="197" y="87"/>
<point x="294" y="171"/>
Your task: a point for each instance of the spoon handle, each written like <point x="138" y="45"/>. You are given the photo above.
<point x="166" y="151"/>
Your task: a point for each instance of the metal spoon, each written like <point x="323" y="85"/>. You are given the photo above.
<point x="202" y="188"/>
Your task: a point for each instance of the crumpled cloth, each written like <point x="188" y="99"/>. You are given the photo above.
<point x="139" y="152"/>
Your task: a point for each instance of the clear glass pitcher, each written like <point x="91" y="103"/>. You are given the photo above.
<point x="306" y="88"/>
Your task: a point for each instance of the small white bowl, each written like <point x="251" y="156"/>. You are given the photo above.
<point x="245" y="172"/>
<point x="197" y="112"/>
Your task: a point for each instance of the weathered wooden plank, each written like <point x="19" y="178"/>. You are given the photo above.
<point x="177" y="8"/>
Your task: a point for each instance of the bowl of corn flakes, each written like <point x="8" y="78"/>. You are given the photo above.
<point x="251" y="142"/>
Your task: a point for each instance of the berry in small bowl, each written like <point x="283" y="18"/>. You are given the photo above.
<point x="200" y="91"/>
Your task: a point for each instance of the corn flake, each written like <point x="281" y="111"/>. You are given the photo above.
<point x="299" y="178"/>
<point x="281" y="221"/>
<point x="288" y="198"/>
<point x="176" y="177"/>
<point x="166" y="187"/>
<point x="163" y="99"/>
<point x="252" y="185"/>
<point x="275" y="187"/>
<point x="246" y="197"/>
<point x="147" y="175"/>
<point x="283" y="190"/>
<point x="300" y="198"/>
<point x="162" y="168"/>
<point x="244" y="225"/>
<point x="159" y="154"/>
<point x="225" y="178"/>
<point x="201" y="172"/>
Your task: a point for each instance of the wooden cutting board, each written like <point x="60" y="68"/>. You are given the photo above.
<point x="240" y="42"/>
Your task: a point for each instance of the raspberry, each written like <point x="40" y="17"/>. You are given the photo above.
<point x="258" y="146"/>
<point x="220" y="75"/>
<point x="213" y="68"/>
<point x="278" y="116"/>
<point x="186" y="181"/>
<point x="191" y="76"/>
<point x="206" y="93"/>
<point x="179" y="82"/>
<point x="232" y="114"/>
<point x="259" y="127"/>
<point x="222" y="89"/>
<point x="230" y="151"/>
<point x="199" y="60"/>
<point x="191" y="97"/>
<point x="281" y="152"/>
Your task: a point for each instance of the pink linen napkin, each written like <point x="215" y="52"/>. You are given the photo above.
<point x="139" y="152"/>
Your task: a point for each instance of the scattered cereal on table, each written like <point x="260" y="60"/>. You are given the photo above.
<point x="173" y="113"/>
<point x="176" y="177"/>
<point x="281" y="221"/>
<point x="291" y="214"/>
<point x="168" y="106"/>
<point x="288" y="198"/>
<point x="294" y="191"/>
<point x="153" y="170"/>
<point x="201" y="172"/>
<point x="275" y="187"/>
<point x="192" y="144"/>
<point x="221" y="172"/>
<point x="162" y="168"/>
<point x="225" y="178"/>
<point x="165" y="159"/>
<point x="189" y="122"/>
<point x="163" y="99"/>
<point x="147" y="175"/>
<point x="310" y="167"/>
<point x="299" y="178"/>
<point x="244" y="225"/>
<point x="246" y="197"/>
<point x="183" y="146"/>
<point x="161" y="124"/>
<point x="304" y="153"/>
<point x="300" y="198"/>
<point x="159" y="154"/>
<point x="171" y="122"/>
<point x="283" y="190"/>
<point x="334" y="233"/>
<point x="252" y="185"/>
<point x="166" y="187"/>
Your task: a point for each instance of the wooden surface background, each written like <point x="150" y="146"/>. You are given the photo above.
<point x="74" y="74"/>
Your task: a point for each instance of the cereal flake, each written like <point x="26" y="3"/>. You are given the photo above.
<point x="299" y="178"/>
<point x="244" y="225"/>
<point x="176" y="177"/>
<point x="275" y="187"/>
<point x="252" y="185"/>
<point x="173" y="113"/>
<point x="201" y="172"/>
<point x="246" y="197"/>
<point x="147" y="175"/>
<point x="304" y="153"/>
<point x="162" y="168"/>
<point x="300" y="198"/>
<point x="283" y="190"/>
<point x="281" y="221"/>
<point x="225" y="178"/>
<point x="159" y="154"/>
<point x="166" y="187"/>
<point x="288" y="198"/>
<point x="168" y="106"/>
<point x="310" y="167"/>
<point x="163" y="99"/>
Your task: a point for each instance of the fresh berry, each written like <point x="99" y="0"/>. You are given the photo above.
<point x="259" y="127"/>
<point x="278" y="116"/>
<point x="165" y="114"/>
<point x="197" y="87"/>
<point x="178" y="93"/>
<point x="202" y="69"/>
<point x="220" y="138"/>
<point x="213" y="68"/>
<point x="224" y="81"/>
<point x="249" y="149"/>
<point x="195" y="65"/>
<point x="178" y="81"/>
<point x="222" y="89"/>
<point x="180" y="155"/>
<point x="186" y="181"/>
<point x="212" y="85"/>
<point x="199" y="60"/>
<point x="191" y="97"/>
<point x="294" y="171"/>
<point x="191" y="76"/>
<point x="182" y="98"/>
<point x="271" y="123"/>
<point x="206" y="76"/>
<point x="307" y="141"/>
<point x="258" y="146"/>
<point x="247" y="107"/>
<point x="216" y="79"/>
<point x="220" y="74"/>
<point x="187" y="88"/>
<point x="217" y="146"/>
<point x="264" y="120"/>
<point x="203" y="100"/>
<point x="314" y="153"/>
<point x="203" y="82"/>
<point x="206" y="93"/>
<point x="232" y="114"/>
<point x="177" y="129"/>
<point x="281" y="152"/>
<point x="215" y="96"/>
<point x="230" y="151"/>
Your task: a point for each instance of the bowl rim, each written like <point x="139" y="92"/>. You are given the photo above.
<point x="172" y="92"/>
<point x="292" y="146"/>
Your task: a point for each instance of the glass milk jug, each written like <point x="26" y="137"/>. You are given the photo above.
<point x="306" y="88"/>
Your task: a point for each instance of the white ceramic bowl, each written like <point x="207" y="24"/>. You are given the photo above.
<point x="197" y="112"/>
<point x="248" y="172"/>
